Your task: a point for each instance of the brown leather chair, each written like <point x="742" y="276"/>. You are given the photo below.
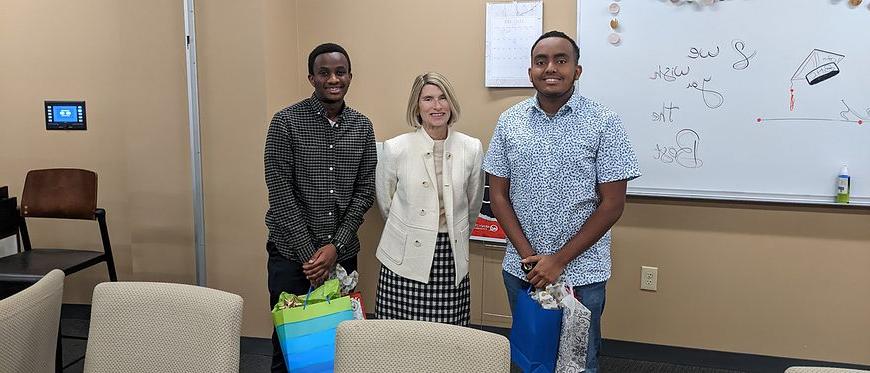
<point x="59" y="193"/>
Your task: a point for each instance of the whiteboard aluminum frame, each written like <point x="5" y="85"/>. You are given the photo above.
<point x="807" y="199"/>
<point x="195" y="142"/>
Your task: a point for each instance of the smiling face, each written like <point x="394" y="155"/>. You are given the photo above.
<point x="434" y="107"/>
<point x="331" y="77"/>
<point x="554" y="68"/>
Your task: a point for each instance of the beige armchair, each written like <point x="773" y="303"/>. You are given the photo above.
<point x="387" y="346"/>
<point x="823" y="370"/>
<point x="165" y="328"/>
<point x="28" y="326"/>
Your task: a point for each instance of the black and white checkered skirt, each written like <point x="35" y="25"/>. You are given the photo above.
<point x="441" y="300"/>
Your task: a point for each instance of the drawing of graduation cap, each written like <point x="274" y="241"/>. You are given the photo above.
<point x="819" y="66"/>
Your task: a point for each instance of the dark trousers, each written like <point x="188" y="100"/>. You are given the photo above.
<point x="285" y="275"/>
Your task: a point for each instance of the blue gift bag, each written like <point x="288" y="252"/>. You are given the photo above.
<point x="307" y="333"/>
<point x="534" y="335"/>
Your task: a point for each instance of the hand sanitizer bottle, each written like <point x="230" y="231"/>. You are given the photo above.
<point x="843" y="184"/>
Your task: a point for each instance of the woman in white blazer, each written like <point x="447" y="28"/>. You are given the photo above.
<point x="429" y="189"/>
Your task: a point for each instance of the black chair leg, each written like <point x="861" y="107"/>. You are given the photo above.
<point x="111" y="266"/>
<point x="58" y="359"/>
<point x="107" y="245"/>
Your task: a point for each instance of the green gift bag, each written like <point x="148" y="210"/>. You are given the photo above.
<point x="306" y="327"/>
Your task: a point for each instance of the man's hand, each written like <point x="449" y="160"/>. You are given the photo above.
<point x="321" y="263"/>
<point x="546" y="271"/>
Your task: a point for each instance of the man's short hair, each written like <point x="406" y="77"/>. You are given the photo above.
<point x="323" y="49"/>
<point x="558" y="34"/>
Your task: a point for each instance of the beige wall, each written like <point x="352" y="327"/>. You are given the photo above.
<point x="248" y="66"/>
<point x="770" y="280"/>
<point x="132" y="76"/>
<point x="784" y="280"/>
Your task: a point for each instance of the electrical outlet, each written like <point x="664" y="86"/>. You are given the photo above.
<point x="649" y="278"/>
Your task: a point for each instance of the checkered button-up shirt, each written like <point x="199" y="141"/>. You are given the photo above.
<point x="321" y="179"/>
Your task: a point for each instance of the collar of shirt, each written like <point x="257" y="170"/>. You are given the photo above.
<point x="575" y="102"/>
<point x="428" y="139"/>
<point x="318" y="108"/>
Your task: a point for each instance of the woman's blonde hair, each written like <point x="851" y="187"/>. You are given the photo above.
<point x="438" y="80"/>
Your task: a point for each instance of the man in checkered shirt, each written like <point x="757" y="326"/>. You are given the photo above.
<point x="320" y="171"/>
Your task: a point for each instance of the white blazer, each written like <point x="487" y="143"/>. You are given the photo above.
<point x="405" y="185"/>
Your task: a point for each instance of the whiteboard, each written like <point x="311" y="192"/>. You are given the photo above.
<point x="759" y="100"/>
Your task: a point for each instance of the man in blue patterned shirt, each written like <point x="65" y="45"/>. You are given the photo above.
<point x="558" y="166"/>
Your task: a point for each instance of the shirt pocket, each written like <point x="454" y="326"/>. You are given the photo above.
<point x="526" y="154"/>
<point x="578" y="165"/>
<point x="394" y="239"/>
<point x="461" y="230"/>
<point x="579" y="152"/>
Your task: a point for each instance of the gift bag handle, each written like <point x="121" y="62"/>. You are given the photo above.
<point x="305" y="303"/>
<point x="310" y="289"/>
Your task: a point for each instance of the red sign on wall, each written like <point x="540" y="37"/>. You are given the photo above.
<point x="486" y="228"/>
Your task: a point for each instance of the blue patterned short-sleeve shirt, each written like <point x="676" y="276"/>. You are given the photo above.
<point x="554" y="166"/>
